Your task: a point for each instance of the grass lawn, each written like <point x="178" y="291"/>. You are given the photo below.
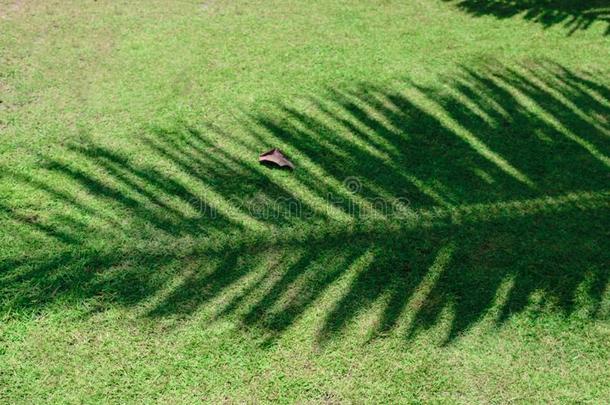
<point x="445" y="236"/>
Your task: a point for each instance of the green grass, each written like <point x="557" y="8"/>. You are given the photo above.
<point x="444" y="238"/>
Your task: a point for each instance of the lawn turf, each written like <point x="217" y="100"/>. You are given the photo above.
<point x="444" y="236"/>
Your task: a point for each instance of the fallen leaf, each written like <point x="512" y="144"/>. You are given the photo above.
<point x="276" y="157"/>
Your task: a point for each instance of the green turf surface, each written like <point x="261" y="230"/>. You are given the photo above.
<point x="444" y="237"/>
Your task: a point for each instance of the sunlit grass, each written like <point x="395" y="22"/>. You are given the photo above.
<point x="444" y="236"/>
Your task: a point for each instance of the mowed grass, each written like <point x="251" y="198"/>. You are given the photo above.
<point x="444" y="237"/>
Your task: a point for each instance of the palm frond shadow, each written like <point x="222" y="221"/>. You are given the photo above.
<point x="571" y="15"/>
<point x="429" y="206"/>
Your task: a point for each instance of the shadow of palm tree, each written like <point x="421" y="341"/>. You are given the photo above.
<point x="410" y="209"/>
<point x="572" y="15"/>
